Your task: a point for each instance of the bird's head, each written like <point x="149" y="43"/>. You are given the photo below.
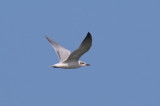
<point x="83" y="63"/>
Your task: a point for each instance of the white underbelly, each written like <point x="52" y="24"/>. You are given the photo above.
<point x="72" y="65"/>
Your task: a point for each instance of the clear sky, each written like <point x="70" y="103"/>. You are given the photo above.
<point x="124" y="58"/>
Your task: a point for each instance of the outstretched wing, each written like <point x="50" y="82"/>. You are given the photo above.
<point x="84" y="47"/>
<point x="62" y="52"/>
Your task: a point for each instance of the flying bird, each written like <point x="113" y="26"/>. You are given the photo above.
<point x="70" y="60"/>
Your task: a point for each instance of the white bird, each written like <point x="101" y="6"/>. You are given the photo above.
<point x="70" y="60"/>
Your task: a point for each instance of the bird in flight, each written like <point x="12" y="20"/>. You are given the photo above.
<point x="70" y="60"/>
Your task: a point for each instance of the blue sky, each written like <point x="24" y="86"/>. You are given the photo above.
<point x="125" y="55"/>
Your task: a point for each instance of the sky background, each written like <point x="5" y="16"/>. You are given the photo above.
<point x="124" y="58"/>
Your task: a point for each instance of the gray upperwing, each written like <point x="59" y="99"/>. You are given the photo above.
<point x="84" y="47"/>
<point x="62" y="52"/>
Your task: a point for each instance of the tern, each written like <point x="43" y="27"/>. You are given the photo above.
<point x="70" y="60"/>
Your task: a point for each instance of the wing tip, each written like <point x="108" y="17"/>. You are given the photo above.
<point x="46" y="37"/>
<point x="89" y="33"/>
<point x="49" y="39"/>
<point x="89" y="36"/>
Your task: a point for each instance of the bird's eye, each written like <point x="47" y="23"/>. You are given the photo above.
<point x="81" y="63"/>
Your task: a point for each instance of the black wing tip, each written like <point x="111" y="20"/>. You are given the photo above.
<point x="89" y="35"/>
<point x="46" y="37"/>
<point x="88" y="39"/>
